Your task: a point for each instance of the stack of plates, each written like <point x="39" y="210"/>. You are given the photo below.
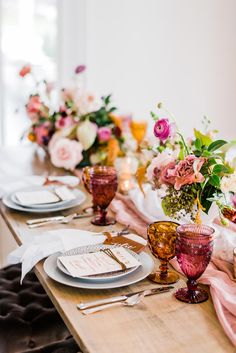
<point x="55" y="270"/>
<point x="12" y="202"/>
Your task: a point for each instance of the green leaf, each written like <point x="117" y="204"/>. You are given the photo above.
<point x="206" y="153"/>
<point x="198" y="144"/>
<point x="154" y="116"/>
<point x="216" y="145"/>
<point x="220" y="168"/>
<point x="214" y="180"/>
<point x="206" y="140"/>
<point x="165" y="209"/>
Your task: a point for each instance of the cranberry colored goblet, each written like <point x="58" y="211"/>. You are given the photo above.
<point x="161" y="239"/>
<point x="103" y="184"/>
<point x="194" y="247"/>
<point x="86" y="181"/>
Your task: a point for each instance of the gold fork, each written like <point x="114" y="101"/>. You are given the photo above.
<point x="110" y="253"/>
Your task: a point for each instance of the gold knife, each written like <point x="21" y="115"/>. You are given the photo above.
<point x="119" y="298"/>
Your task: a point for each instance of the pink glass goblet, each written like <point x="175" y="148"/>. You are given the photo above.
<point x="103" y="184"/>
<point x="194" y="245"/>
<point x="86" y="181"/>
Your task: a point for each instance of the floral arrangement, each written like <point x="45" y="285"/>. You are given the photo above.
<point x="189" y="175"/>
<point x="81" y="130"/>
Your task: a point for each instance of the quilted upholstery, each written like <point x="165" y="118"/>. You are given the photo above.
<point x="28" y="320"/>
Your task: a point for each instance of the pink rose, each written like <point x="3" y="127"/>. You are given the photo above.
<point x="64" y="122"/>
<point x="159" y="162"/>
<point x="66" y="153"/>
<point x="166" y="174"/>
<point x="163" y="129"/>
<point x="188" y="171"/>
<point x="104" y="134"/>
<point x="25" y="70"/>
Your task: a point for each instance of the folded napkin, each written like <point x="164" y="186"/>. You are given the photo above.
<point x="138" y="211"/>
<point x="50" y="242"/>
<point x="10" y="184"/>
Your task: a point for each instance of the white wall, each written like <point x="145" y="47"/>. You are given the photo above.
<point x="180" y="52"/>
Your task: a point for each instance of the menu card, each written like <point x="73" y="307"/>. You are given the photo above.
<point x="36" y="197"/>
<point x="97" y="262"/>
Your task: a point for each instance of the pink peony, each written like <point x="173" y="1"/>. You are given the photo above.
<point x="104" y="134"/>
<point x="25" y="70"/>
<point x="64" y="122"/>
<point x="188" y="171"/>
<point x="163" y="129"/>
<point x="66" y="153"/>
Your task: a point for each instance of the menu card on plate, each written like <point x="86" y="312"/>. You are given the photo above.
<point x="36" y="197"/>
<point x="97" y="262"/>
<point x="64" y="193"/>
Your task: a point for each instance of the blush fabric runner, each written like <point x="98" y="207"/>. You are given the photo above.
<point x="218" y="275"/>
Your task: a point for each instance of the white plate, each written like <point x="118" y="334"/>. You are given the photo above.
<point x="45" y="205"/>
<point x="7" y="200"/>
<point x="51" y="269"/>
<point x="93" y="248"/>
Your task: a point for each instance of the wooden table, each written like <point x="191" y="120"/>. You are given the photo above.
<point x="159" y="324"/>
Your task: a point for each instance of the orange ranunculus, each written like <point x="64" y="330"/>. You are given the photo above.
<point x="113" y="151"/>
<point x="25" y="70"/>
<point x="31" y="137"/>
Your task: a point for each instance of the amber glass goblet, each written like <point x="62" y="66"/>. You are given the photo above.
<point x="161" y="239"/>
<point x="194" y="245"/>
<point x="103" y="184"/>
<point x="138" y="130"/>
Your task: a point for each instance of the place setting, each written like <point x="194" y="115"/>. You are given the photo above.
<point x="45" y="195"/>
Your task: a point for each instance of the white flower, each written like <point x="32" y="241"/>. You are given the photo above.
<point x="86" y="133"/>
<point x="228" y="183"/>
<point x="66" y="153"/>
<point x="87" y="103"/>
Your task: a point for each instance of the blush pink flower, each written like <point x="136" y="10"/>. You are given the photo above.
<point x="163" y="129"/>
<point x="166" y="174"/>
<point x="159" y="162"/>
<point x="33" y="108"/>
<point x="66" y="153"/>
<point x="233" y="199"/>
<point x="25" y="70"/>
<point x="42" y="134"/>
<point x="64" y="122"/>
<point x="104" y="134"/>
<point x="187" y="171"/>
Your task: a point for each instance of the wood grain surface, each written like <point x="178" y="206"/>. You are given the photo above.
<point x="160" y="324"/>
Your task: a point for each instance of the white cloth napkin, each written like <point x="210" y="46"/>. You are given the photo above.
<point x="50" y="242"/>
<point x="9" y="184"/>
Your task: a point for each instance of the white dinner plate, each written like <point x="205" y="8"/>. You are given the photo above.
<point x="7" y="201"/>
<point x="93" y="248"/>
<point x="51" y="269"/>
<point x="43" y="206"/>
